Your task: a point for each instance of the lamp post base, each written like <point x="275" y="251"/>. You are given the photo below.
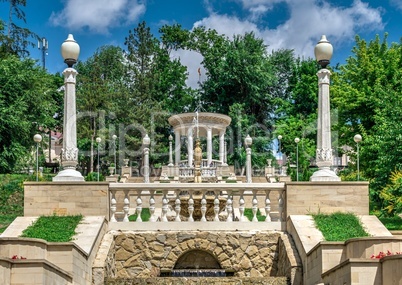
<point x="324" y="174"/>
<point x="68" y="175"/>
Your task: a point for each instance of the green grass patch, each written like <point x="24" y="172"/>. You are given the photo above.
<point x="339" y="226"/>
<point x="145" y="215"/>
<point x="393" y="223"/>
<point x="53" y="228"/>
<point x="12" y="196"/>
<point x="248" y="212"/>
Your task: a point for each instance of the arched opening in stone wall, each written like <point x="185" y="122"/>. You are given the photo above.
<point x="198" y="263"/>
<point x="197" y="259"/>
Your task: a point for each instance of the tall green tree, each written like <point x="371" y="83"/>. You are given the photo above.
<point x="296" y="116"/>
<point x="101" y="91"/>
<point x="28" y="99"/>
<point x="367" y="92"/>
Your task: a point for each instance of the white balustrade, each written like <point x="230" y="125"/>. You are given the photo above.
<point x="166" y="202"/>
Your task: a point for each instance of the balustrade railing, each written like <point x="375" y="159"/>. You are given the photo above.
<point x="199" y="202"/>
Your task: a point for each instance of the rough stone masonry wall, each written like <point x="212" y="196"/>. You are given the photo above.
<point x="146" y="254"/>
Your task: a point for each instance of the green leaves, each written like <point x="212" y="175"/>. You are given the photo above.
<point x="28" y="99"/>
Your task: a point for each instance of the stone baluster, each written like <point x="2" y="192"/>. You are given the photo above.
<point x="255" y="206"/>
<point x="229" y="208"/>
<point x="113" y="206"/>
<point x="126" y="206"/>
<point x="242" y="218"/>
<point x="267" y="206"/>
<point x="177" y="207"/>
<point x="190" y="208"/>
<point x="203" y="207"/>
<point x="280" y="203"/>
<point x="152" y="218"/>
<point x="139" y="207"/>
<point x="165" y="202"/>
<point x="216" y="206"/>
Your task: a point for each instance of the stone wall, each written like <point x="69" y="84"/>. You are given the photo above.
<point x="66" y="198"/>
<point x="303" y="198"/>
<point x="197" y="281"/>
<point x="147" y="254"/>
<point x="289" y="262"/>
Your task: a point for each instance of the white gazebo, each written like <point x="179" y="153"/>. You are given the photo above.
<point x="197" y="125"/>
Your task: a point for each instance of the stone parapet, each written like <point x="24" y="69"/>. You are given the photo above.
<point x="66" y="198"/>
<point x="303" y="198"/>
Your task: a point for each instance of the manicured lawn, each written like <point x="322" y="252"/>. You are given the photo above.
<point x="339" y="226"/>
<point x="53" y="228"/>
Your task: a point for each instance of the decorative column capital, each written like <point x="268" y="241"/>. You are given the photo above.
<point x="324" y="76"/>
<point x="70" y="75"/>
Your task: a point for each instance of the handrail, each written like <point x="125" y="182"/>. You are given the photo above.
<point x="223" y="202"/>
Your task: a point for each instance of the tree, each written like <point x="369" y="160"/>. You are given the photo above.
<point x="297" y="115"/>
<point x="17" y="40"/>
<point x="367" y="92"/>
<point x="28" y="99"/>
<point x="101" y="91"/>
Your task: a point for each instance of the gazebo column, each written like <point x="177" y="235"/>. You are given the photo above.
<point x="190" y="148"/>
<point x="177" y="146"/>
<point x="222" y="146"/>
<point x="209" y="145"/>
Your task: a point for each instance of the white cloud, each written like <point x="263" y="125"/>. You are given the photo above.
<point x="97" y="15"/>
<point x="397" y="3"/>
<point x="192" y="60"/>
<point x="308" y="20"/>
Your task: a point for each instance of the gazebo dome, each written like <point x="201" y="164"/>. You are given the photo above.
<point x="184" y="122"/>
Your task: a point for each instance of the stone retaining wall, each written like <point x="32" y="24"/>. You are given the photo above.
<point x="147" y="254"/>
<point x="197" y="281"/>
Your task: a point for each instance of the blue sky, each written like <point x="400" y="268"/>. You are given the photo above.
<point x="295" y="24"/>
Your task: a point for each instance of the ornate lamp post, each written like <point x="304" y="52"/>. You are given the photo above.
<point x="358" y="138"/>
<point x="98" y="141"/>
<point x="114" y="137"/>
<point x="37" y="138"/>
<point x="280" y="154"/>
<point x="146" y="141"/>
<point x="247" y="142"/>
<point x="170" y="151"/>
<point x="323" y="53"/>
<point x="70" y="51"/>
<point x="297" y="140"/>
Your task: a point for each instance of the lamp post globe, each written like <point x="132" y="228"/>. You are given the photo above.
<point x="146" y="140"/>
<point x="357" y="138"/>
<point x="70" y="50"/>
<point x="37" y="138"/>
<point x="323" y="51"/>
<point x="248" y="141"/>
